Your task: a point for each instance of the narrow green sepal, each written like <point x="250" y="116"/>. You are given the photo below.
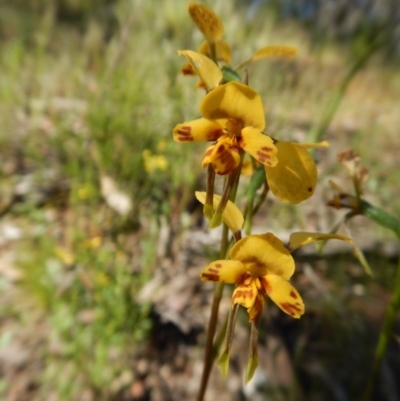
<point x="321" y="244"/>
<point x="223" y="363"/>
<point x="252" y="361"/>
<point x="359" y="254"/>
<point x="208" y="211"/>
<point x="257" y="179"/>
<point x="251" y="367"/>
<point x="381" y="217"/>
<point x="216" y="220"/>
<point x="229" y="74"/>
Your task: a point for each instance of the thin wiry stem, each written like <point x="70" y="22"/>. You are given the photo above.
<point x="385" y="335"/>
<point x="210" y="350"/>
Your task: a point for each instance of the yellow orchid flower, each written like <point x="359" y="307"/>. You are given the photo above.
<point x="261" y="265"/>
<point x="233" y="118"/>
<point x="223" y="54"/>
<point x="207" y="21"/>
<point x="209" y="73"/>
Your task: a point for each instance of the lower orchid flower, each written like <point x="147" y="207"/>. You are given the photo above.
<point x="260" y="265"/>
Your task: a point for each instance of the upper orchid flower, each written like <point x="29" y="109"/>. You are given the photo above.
<point x="233" y="118"/>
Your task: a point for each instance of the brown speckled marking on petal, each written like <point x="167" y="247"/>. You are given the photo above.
<point x="293" y="294"/>
<point x="291" y="309"/>
<point x="208" y="153"/>
<point x="214" y="134"/>
<point x="265" y="285"/>
<point x="266" y="149"/>
<point x="309" y="189"/>
<point x="263" y="156"/>
<point x="187" y="69"/>
<point x="184" y="134"/>
<point x="256" y="308"/>
<point x="218" y="265"/>
<point x="226" y="159"/>
<point x="210" y="276"/>
<point x="243" y="294"/>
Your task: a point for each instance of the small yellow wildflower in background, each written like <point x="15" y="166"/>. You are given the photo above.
<point x="153" y="163"/>
<point x="64" y="255"/>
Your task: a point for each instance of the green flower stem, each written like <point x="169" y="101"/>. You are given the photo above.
<point x="252" y="209"/>
<point x="357" y="187"/>
<point x="213" y="52"/>
<point x="209" y="354"/>
<point x="261" y="198"/>
<point x="210" y="350"/>
<point x="208" y="205"/>
<point x="384" y="337"/>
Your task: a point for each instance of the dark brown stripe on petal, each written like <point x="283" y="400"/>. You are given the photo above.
<point x="184" y="134"/>
<point x="291" y="309"/>
<point x="214" y="134"/>
<point x="243" y="294"/>
<point x="210" y="277"/>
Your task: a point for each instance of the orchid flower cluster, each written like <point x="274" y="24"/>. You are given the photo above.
<point x="233" y="122"/>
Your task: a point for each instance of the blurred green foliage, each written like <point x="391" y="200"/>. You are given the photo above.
<point x="86" y="89"/>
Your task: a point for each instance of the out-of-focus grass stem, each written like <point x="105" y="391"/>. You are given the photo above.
<point x="384" y="337"/>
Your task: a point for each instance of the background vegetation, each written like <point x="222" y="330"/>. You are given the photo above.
<point x="96" y="199"/>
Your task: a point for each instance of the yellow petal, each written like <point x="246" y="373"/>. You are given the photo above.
<point x="264" y="254"/>
<point x="245" y="294"/>
<point x="323" y="144"/>
<point x="283" y="294"/>
<point x="205" y="68"/>
<point x="304" y="238"/>
<point x="294" y="178"/>
<point x="197" y="131"/>
<point x="234" y="100"/>
<point x="224" y="271"/>
<point x="207" y="21"/>
<point x="274" y="51"/>
<point x="223" y="156"/>
<point x="258" y="145"/>
<point x="247" y="168"/>
<point x="231" y="215"/>
<point x="222" y="48"/>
